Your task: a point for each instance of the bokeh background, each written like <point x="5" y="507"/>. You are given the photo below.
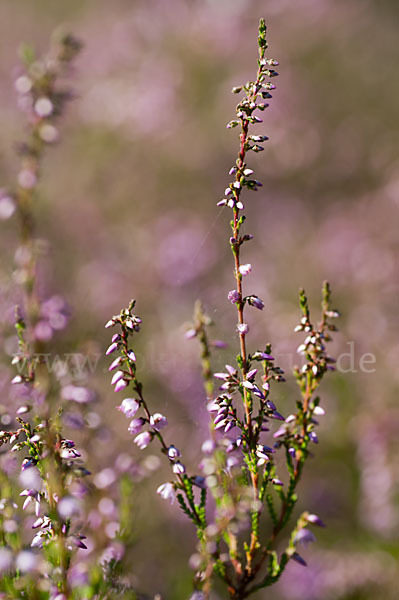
<point x="128" y="205"/>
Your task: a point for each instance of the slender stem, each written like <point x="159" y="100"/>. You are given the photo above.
<point x="138" y="389"/>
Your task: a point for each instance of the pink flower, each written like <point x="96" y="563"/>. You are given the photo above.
<point x="129" y="407"/>
<point x="120" y="385"/>
<point x="136" y="425"/>
<point x="158" y="421"/>
<point x="143" y="439"/>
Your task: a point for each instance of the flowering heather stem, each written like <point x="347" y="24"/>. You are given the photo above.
<point x="126" y="374"/>
<point x="48" y="467"/>
<point x="43" y="104"/>
<point x="240" y="472"/>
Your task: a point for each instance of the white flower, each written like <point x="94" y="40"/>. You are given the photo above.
<point x="143" y="439"/>
<point x="167" y="492"/>
<point x="158" y="421"/>
<point x="245" y="269"/>
<point x="136" y="425"/>
<point x="129" y="407"/>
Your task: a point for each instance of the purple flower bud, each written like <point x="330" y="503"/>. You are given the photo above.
<point x="264" y="356"/>
<point x="258" y="392"/>
<point x="262" y="452"/>
<point x="233" y="171"/>
<point x="280" y="432"/>
<point x="143" y="439"/>
<point x="223" y="376"/>
<point x="256" y="302"/>
<point x="116" y="337"/>
<point x="111" y="348"/>
<point x="218" y="344"/>
<point x="251" y="374"/>
<point x="221" y="424"/>
<point x="220" y="417"/>
<point x="131" y="356"/>
<point x="234" y="296"/>
<point x="129" y="407"/>
<point x="315" y="520"/>
<point x="17" y="379"/>
<point x="231" y="370"/>
<point x="116" y="377"/>
<point x="313" y="437"/>
<point x="276" y="481"/>
<point x="229" y="426"/>
<point x="179" y="468"/>
<point x="109" y="323"/>
<point x="199" y="482"/>
<point x="248" y="385"/>
<point x="173" y="452"/>
<point x="268" y="449"/>
<point x="292" y="452"/>
<point x="318" y="410"/>
<point x="79" y="544"/>
<point x="115" y="363"/>
<point x="120" y="385"/>
<point x="299" y="559"/>
<point x="278" y="416"/>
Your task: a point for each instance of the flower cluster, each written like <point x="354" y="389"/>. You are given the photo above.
<point x="147" y="427"/>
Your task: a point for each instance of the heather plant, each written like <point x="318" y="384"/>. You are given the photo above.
<point x="243" y="495"/>
<point x="38" y="558"/>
